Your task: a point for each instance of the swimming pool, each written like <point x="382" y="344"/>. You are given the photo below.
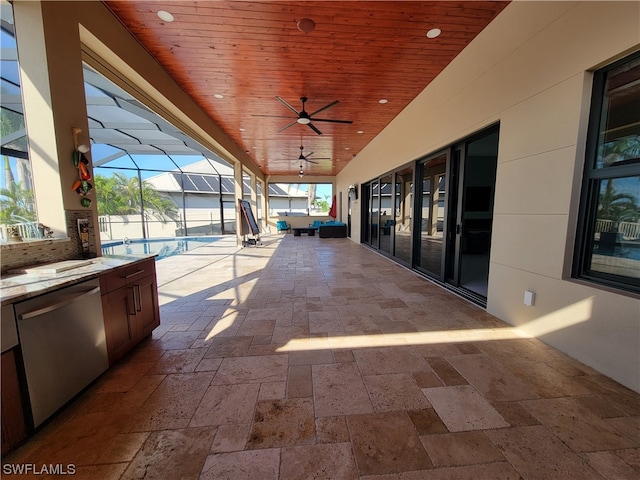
<point x="163" y="247"/>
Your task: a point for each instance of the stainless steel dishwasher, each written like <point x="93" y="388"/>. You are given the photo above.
<point x="63" y="345"/>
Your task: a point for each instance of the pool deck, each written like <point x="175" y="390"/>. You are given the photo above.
<point x="319" y="358"/>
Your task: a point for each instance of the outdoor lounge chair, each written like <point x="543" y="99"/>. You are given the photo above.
<point x="282" y="225"/>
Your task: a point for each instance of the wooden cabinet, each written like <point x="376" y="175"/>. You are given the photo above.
<point x="130" y="306"/>
<point x="14" y="425"/>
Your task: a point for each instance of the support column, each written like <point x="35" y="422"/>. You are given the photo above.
<point x="237" y="190"/>
<point x="254" y="197"/>
<point x="51" y="76"/>
<point x="263" y="205"/>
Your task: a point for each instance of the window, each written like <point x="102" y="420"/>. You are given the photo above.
<point x="18" y="217"/>
<point x="608" y="247"/>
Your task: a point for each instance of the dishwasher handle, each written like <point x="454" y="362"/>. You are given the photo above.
<point x="58" y="305"/>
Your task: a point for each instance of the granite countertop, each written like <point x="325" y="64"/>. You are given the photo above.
<point x="40" y="279"/>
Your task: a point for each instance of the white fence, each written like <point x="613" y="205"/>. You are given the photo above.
<point x="629" y="230"/>
<point x="27" y="230"/>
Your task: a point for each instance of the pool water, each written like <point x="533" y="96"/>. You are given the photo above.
<point x="163" y="247"/>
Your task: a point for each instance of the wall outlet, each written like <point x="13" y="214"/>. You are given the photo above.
<point x="529" y="298"/>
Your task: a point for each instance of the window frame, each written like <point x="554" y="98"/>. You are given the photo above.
<point x="592" y="177"/>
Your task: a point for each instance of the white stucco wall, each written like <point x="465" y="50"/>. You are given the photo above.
<point x="530" y="70"/>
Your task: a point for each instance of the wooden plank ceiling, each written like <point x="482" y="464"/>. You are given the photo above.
<point x="249" y="53"/>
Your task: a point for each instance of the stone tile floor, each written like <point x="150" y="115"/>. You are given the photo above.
<point x="317" y="358"/>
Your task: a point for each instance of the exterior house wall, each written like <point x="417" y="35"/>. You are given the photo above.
<point x="530" y="70"/>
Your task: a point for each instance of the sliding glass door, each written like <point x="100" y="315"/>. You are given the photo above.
<point x="437" y="217"/>
<point x="403" y="216"/>
<point x="471" y="212"/>
<point x="432" y="178"/>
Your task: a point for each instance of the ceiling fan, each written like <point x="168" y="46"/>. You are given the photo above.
<point x="306" y="157"/>
<point x="305" y="118"/>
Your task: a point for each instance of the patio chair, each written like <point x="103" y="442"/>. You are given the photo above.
<point x="316" y="224"/>
<point x="283" y="226"/>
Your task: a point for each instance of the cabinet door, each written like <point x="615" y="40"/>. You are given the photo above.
<point x="148" y="314"/>
<point x="14" y="425"/>
<point x="119" y="309"/>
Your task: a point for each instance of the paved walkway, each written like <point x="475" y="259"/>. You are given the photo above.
<point x="317" y="358"/>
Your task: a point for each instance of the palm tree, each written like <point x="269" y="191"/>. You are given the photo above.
<point x="16" y="203"/>
<point x="120" y="195"/>
<point x="617" y="207"/>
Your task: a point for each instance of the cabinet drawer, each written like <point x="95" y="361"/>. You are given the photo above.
<point x="123" y="276"/>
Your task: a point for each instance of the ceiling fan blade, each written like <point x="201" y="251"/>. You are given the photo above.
<point x="325" y="107"/>
<point x="321" y="158"/>
<point x="313" y="127"/>
<point x="288" y="106"/>
<point x="272" y="116"/>
<point x="290" y="125"/>
<point x="332" y="121"/>
<point x="310" y="161"/>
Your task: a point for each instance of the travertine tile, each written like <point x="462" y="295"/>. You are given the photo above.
<point x="123" y="376"/>
<point x="252" y="328"/>
<point x="397" y="391"/>
<point x="493" y="381"/>
<point x="463" y="448"/>
<point x="547" y="382"/>
<point x="299" y="381"/>
<point x="339" y="390"/>
<point x="280" y="423"/>
<point x="631" y="456"/>
<point x="223" y="347"/>
<point x="493" y="471"/>
<point x="609" y="465"/>
<point x="172" y="454"/>
<point x="178" y="361"/>
<point x="515" y="414"/>
<point x="258" y="369"/>
<point x="577" y="426"/>
<point x="223" y="404"/>
<point x="536" y="453"/>
<point x="427" y="422"/>
<point x="172" y="403"/>
<point x="325" y="461"/>
<point x="427" y="379"/>
<point x="463" y="408"/>
<point x="446" y="372"/>
<point x="332" y="430"/>
<point x="386" y="443"/>
<point x="230" y="438"/>
<point x="377" y="361"/>
<point x="262" y="464"/>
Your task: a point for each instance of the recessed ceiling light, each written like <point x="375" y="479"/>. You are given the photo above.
<point x="243" y="129"/>
<point x="306" y="25"/>
<point x="383" y="101"/>
<point x="433" y="33"/>
<point x="218" y="95"/>
<point x="166" y="16"/>
<point x="346" y="148"/>
<point x="360" y="131"/>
